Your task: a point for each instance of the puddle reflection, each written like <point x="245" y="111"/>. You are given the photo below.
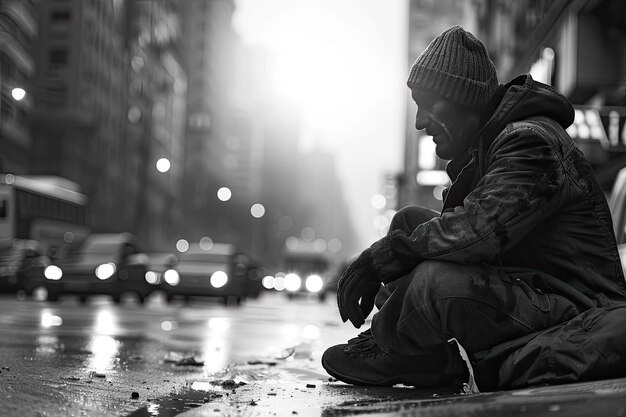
<point x="311" y="332"/>
<point x="168" y="325"/>
<point x="50" y="320"/>
<point x="217" y="344"/>
<point x="219" y="324"/>
<point x="48" y="345"/>
<point x="153" y="409"/>
<point x="104" y="350"/>
<point x="105" y="323"/>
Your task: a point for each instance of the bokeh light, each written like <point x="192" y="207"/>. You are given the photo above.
<point x="257" y="210"/>
<point x="206" y="243"/>
<point x="334" y="245"/>
<point x="163" y="165"/>
<point x="378" y="201"/>
<point x="224" y="194"/>
<point x="182" y="245"/>
<point x="18" y="93"/>
<point x="308" y="234"/>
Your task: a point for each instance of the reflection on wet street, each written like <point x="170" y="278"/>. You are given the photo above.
<point x="100" y="358"/>
<point x="205" y="359"/>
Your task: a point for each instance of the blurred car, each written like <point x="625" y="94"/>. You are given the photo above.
<point x="219" y="271"/>
<point x="160" y="265"/>
<point x="20" y="260"/>
<point x="307" y="273"/>
<point x="104" y="263"/>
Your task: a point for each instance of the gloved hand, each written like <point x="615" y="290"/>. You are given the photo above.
<point x="356" y="291"/>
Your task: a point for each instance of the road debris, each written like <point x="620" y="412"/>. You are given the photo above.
<point x="261" y="362"/>
<point x="181" y="360"/>
<point x="190" y="361"/>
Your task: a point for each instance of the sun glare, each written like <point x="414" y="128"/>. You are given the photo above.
<point x="340" y="67"/>
<point x="313" y="61"/>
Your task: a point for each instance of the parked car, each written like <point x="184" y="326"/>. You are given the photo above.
<point x="104" y="263"/>
<point x="20" y="260"/>
<point x="220" y="271"/>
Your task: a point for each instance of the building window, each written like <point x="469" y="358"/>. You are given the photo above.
<point x="58" y="57"/>
<point x="61" y="15"/>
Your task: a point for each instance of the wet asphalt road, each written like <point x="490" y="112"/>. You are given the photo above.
<point x="66" y="358"/>
<point x="206" y="359"/>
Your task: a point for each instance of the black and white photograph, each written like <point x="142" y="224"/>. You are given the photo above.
<point x="312" y="208"/>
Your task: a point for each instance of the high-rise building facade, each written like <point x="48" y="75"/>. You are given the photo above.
<point x="155" y="121"/>
<point x="209" y="45"/>
<point x="579" y="47"/>
<point x="79" y="91"/>
<point x="18" y="33"/>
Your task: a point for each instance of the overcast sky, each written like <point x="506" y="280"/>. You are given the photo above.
<point x="353" y="53"/>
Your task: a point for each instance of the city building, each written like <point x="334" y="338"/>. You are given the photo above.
<point x="156" y="122"/>
<point x="209" y="47"/>
<point x="18" y="32"/>
<point x="79" y="93"/>
<point x="579" y="47"/>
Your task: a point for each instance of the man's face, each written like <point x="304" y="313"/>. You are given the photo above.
<point x="450" y="125"/>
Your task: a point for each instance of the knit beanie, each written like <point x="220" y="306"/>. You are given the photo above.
<point x="456" y="66"/>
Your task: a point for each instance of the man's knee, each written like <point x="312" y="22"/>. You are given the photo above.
<point x="436" y="280"/>
<point x="409" y="217"/>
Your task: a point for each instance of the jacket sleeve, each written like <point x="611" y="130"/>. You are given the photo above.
<point x="523" y="185"/>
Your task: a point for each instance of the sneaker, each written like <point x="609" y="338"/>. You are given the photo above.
<point x="362" y="362"/>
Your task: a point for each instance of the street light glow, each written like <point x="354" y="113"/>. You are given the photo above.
<point x="257" y="210"/>
<point x="206" y="243"/>
<point x="182" y="245"/>
<point x="334" y="245"/>
<point x="224" y="194"/>
<point x="18" y="93"/>
<point x="378" y="201"/>
<point x="380" y="221"/>
<point x="163" y="165"/>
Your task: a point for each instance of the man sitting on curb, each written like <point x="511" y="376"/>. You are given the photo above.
<point x="521" y="257"/>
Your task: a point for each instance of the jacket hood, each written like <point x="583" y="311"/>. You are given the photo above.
<point x="524" y="98"/>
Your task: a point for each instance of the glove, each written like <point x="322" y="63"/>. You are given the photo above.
<point x="356" y="291"/>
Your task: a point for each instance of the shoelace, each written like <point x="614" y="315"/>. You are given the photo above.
<point x="363" y="335"/>
<point x="363" y="345"/>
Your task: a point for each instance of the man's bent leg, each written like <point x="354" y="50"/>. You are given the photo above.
<point x="407" y="219"/>
<point x="362" y="362"/>
<point x="481" y="306"/>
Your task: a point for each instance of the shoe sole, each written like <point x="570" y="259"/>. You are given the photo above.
<point x="345" y="378"/>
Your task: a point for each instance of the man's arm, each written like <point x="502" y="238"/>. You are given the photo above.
<point x="523" y="185"/>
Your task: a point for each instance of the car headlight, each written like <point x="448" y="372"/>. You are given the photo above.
<point x="152" y="277"/>
<point x="171" y="277"/>
<point x="219" y="279"/>
<point x="268" y="282"/>
<point x="314" y="283"/>
<point x="279" y="283"/>
<point x="105" y="271"/>
<point x="292" y="282"/>
<point x="53" y="272"/>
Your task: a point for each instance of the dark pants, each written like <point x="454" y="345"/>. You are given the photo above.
<point x="479" y="305"/>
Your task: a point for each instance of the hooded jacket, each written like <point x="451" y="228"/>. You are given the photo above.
<point x="524" y="197"/>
